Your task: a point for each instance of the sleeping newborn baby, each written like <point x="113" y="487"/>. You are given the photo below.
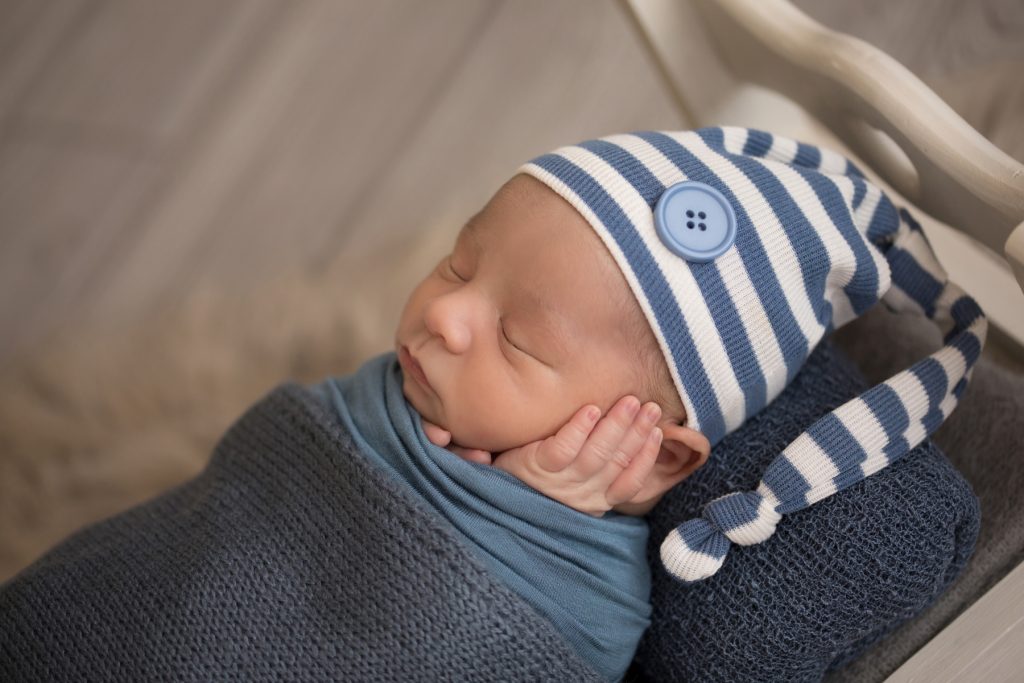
<point x="616" y="309"/>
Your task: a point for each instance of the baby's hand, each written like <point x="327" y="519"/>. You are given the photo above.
<point x="592" y="469"/>
<point x="443" y="438"/>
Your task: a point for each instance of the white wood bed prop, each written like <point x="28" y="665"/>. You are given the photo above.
<point x="765" y="64"/>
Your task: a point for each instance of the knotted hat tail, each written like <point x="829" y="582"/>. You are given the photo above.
<point x="862" y="436"/>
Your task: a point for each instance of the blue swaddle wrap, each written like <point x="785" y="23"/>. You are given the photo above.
<point x="589" y="576"/>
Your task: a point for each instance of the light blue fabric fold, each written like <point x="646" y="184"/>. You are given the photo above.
<point x="588" y="575"/>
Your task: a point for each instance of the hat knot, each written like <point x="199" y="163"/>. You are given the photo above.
<point x="697" y="548"/>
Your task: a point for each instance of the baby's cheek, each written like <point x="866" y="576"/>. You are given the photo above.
<point x="487" y="426"/>
<point x="497" y="428"/>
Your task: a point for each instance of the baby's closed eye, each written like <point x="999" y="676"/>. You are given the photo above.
<point x="451" y="269"/>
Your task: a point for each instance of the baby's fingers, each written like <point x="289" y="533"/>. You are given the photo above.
<point x="436" y="435"/>
<point x="631" y="480"/>
<point x="617" y="438"/>
<point x="559" y="451"/>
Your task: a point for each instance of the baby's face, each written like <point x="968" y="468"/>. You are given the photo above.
<point x="526" y="321"/>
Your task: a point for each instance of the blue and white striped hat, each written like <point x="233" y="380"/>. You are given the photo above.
<point x="743" y="250"/>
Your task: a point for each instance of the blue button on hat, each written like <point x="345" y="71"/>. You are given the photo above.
<point x="695" y="221"/>
<point x="744" y="249"/>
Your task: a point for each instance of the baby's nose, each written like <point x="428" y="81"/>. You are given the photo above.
<point x="447" y="317"/>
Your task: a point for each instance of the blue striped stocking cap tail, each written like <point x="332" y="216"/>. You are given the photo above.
<point x="743" y="249"/>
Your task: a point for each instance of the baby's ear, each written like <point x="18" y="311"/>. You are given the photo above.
<point x="683" y="451"/>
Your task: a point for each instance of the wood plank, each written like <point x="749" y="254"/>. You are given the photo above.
<point x="985" y="643"/>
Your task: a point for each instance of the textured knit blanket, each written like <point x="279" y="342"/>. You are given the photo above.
<point x="833" y="580"/>
<point x="288" y="558"/>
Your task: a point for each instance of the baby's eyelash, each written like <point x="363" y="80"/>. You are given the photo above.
<point x="453" y="271"/>
<point x="505" y="334"/>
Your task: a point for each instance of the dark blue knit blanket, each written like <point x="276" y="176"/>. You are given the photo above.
<point x="834" y="579"/>
<point x="288" y="558"/>
<point x="291" y="558"/>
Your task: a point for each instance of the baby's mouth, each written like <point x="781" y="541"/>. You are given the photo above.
<point x="412" y="367"/>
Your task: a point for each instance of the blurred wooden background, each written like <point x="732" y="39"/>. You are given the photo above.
<point x="147" y="146"/>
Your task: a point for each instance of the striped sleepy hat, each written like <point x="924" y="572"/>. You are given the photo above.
<point x="743" y="250"/>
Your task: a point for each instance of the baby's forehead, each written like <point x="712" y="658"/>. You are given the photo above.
<point x="548" y="257"/>
<point x="524" y="269"/>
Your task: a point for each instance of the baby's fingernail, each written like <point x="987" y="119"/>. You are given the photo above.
<point x="632" y="405"/>
<point x="593" y="412"/>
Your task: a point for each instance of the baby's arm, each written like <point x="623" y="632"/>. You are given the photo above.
<point x="590" y="464"/>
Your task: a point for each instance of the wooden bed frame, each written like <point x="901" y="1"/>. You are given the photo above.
<point x="765" y="64"/>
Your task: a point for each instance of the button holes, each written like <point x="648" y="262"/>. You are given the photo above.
<point x="702" y="226"/>
<point x="701" y="215"/>
<point x="689" y="224"/>
<point x="689" y="214"/>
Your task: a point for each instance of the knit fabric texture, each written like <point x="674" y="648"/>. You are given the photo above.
<point x="833" y="580"/>
<point x="288" y="558"/>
